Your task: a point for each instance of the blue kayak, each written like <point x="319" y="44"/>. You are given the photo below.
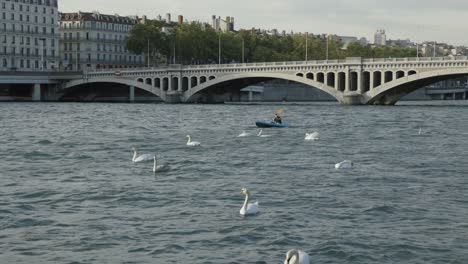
<point x="269" y="124"/>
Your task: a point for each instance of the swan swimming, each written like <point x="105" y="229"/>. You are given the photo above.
<point x="140" y="158"/>
<point x="158" y="167"/>
<point x="244" y="134"/>
<point x="312" y="136"/>
<point x="295" y="256"/>
<point x="420" y="131"/>
<point x="347" y="164"/>
<point x="192" y="143"/>
<point x="248" y="208"/>
<point x="260" y="134"/>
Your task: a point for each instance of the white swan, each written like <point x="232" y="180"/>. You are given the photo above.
<point x="260" y="134"/>
<point x="244" y="134"/>
<point x="140" y="158"/>
<point x="295" y="256"/>
<point x="158" y="167"/>
<point x="347" y="164"/>
<point x="312" y="136"/>
<point x="192" y="143"/>
<point x="248" y="208"/>
<point x="420" y="131"/>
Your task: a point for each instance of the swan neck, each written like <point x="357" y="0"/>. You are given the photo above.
<point x="189" y="139"/>
<point x="246" y="201"/>
<point x="135" y="154"/>
<point x="155" y="164"/>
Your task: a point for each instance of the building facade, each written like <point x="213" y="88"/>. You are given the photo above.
<point x="90" y="41"/>
<point x="29" y="39"/>
<point x="380" y="38"/>
<point x="220" y="24"/>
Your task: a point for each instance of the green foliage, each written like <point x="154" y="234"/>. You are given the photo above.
<point x="196" y="43"/>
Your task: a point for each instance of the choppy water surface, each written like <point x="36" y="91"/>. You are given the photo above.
<point x="70" y="194"/>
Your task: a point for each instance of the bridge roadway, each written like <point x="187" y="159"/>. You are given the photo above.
<point x="352" y="81"/>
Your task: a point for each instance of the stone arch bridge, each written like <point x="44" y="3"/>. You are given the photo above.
<point x="352" y="81"/>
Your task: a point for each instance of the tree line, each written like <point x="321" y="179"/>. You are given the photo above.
<point x="197" y="43"/>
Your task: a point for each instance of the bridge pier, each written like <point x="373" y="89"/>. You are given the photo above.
<point x="352" y="98"/>
<point x="132" y="94"/>
<point x="36" y="94"/>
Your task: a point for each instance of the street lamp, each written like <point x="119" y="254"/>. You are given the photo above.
<point x="219" y="48"/>
<point x="328" y="37"/>
<point x="306" y="46"/>
<point x="42" y="53"/>
<point x="243" y="50"/>
<point x="148" y="62"/>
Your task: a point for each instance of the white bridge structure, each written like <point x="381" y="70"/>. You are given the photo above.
<point x="352" y="81"/>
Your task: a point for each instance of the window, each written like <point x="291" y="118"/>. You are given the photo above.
<point x="5" y="63"/>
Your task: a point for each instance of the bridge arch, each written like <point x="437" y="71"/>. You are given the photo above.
<point x="262" y="76"/>
<point x="128" y="82"/>
<point x="149" y="81"/>
<point x="391" y="92"/>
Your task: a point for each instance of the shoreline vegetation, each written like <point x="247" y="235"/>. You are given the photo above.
<point x="198" y="43"/>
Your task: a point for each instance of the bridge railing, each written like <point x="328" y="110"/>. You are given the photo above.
<point x="353" y="60"/>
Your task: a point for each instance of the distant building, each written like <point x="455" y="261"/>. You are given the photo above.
<point x="400" y="43"/>
<point x="226" y="25"/>
<point x="29" y="39"/>
<point x="380" y="38"/>
<point x="94" y="41"/>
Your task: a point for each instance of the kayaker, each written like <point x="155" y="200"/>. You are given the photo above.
<point x="277" y="119"/>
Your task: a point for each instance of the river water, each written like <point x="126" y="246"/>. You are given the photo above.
<point x="69" y="192"/>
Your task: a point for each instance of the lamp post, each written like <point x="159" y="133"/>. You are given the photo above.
<point x="243" y="50"/>
<point x="219" y="48"/>
<point x="148" y="62"/>
<point x="42" y="53"/>
<point x="417" y="50"/>
<point x="326" y="56"/>
<point x="434" y="50"/>
<point x="306" y="46"/>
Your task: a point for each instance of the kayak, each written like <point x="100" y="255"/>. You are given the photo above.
<point x="269" y="124"/>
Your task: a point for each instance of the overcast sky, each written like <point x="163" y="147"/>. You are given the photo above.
<point x="419" y="20"/>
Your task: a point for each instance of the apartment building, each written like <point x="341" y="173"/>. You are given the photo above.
<point x="90" y="40"/>
<point x="29" y="39"/>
